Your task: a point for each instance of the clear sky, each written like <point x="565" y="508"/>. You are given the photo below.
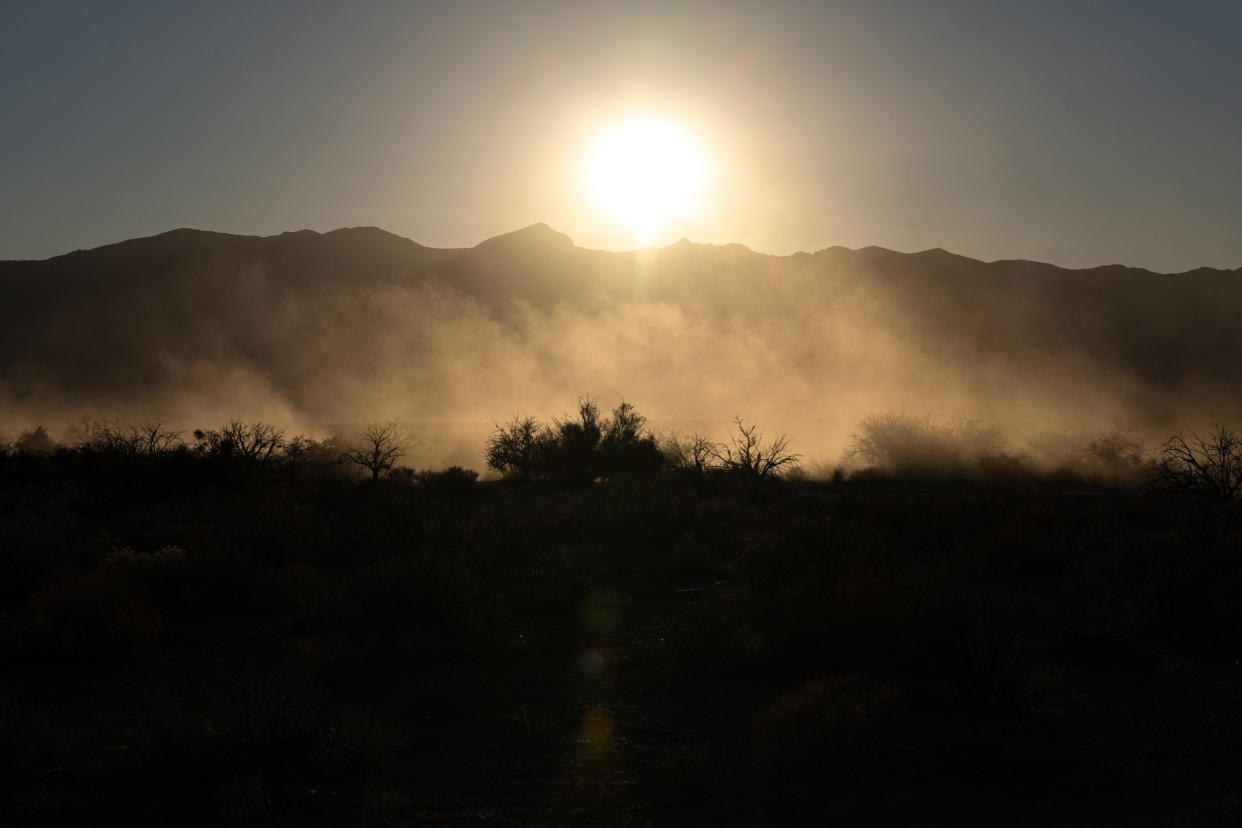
<point x="1080" y="133"/>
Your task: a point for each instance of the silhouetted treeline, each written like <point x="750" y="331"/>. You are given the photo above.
<point x="896" y="447"/>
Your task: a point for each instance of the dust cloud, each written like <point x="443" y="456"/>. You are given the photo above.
<point x="320" y="333"/>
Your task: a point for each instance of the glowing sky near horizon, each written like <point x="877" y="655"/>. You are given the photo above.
<point x="645" y="172"/>
<point x="1077" y="133"/>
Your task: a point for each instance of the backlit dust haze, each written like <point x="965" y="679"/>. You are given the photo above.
<point x="321" y="331"/>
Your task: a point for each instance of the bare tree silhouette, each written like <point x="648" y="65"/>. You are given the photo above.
<point x="747" y="453"/>
<point x="146" y="439"/>
<point x="695" y="453"/>
<point x="1210" y="466"/>
<point x="259" y="441"/>
<point x="379" y="448"/>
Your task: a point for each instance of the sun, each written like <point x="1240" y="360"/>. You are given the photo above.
<point x="645" y="172"/>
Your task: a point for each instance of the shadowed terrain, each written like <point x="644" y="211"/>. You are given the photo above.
<point x="216" y="634"/>
<point x="228" y="624"/>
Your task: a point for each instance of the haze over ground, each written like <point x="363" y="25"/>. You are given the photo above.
<point x="327" y="511"/>
<point x="1078" y="134"/>
<point x="312" y="330"/>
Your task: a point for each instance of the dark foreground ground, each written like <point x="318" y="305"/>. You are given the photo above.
<point x="194" y="644"/>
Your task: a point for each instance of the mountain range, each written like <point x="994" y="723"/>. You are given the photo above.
<point x="359" y="324"/>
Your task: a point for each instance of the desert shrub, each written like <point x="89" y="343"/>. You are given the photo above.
<point x="1003" y="466"/>
<point x="272" y="721"/>
<point x="252" y="442"/>
<point x="30" y="741"/>
<point x="96" y="614"/>
<point x="513" y="449"/>
<point x="569" y="454"/>
<point x="821" y="608"/>
<point x="157" y="572"/>
<point x="853" y="602"/>
<point x="688" y="556"/>
<point x="389" y="520"/>
<point x="377" y="448"/>
<point x="574" y="451"/>
<point x="1185" y="575"/>
<point x="907" y="445"/>
<point x="1111" y="457"/>
<point x="135" y="441"/>
<point x="385" y="804"/>
<point x="694" y="457"/>
<point x="626" y="445"/>
<point x="713" y="637"/>
<point x="1208" y="466"/>
<point x="746" y="453"/>
<point x="408" y="613"/>
<point x="1117" y="452"/>
<point x="361" y="743"/>
<point x="267" y="737"/>
<point x="647" y="512"/>
<point x="564" y="570"/>
<point x="302" y="450"/>
<point x="35" y="441"/>
<point x="502" y="539"/>
<point x="177" y="582"/>
<point x="36" y="551"/>
<point x="451" y="482"/>
<point x="694" y="454"/>
<point x="1113" y="585"/>
<point x="971" y="647"/>
<point x="838" y="720"/>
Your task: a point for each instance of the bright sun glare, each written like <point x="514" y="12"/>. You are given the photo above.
<point x="645" y="172"/>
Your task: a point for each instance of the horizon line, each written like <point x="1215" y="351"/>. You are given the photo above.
<point x="543" y="226"/>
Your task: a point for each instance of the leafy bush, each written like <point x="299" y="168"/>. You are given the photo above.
<point x="513" y="449"/>
<point x="627" y="446"/>
<point x="573" y="452"/>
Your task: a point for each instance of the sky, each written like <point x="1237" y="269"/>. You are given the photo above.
<point x="1080" y="133"/>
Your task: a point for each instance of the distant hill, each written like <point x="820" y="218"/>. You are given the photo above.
<point x="361" y="324"/>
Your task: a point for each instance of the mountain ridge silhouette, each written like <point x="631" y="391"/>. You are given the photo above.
<point x="541" y="233"/>
<point x="332" y="325"/>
